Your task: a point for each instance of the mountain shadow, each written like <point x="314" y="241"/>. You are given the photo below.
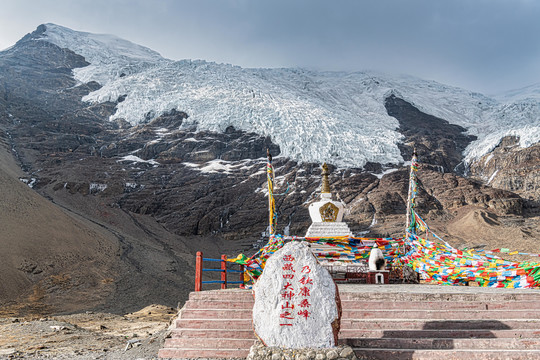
<point x="437" y="141"/>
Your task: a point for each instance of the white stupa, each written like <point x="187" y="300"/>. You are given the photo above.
<point x="327" y="214"/>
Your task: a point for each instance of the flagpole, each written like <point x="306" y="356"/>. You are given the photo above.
<point x="411" y="198"/>
<point x="271" y="203"/>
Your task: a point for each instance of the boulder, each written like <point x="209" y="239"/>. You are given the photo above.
<point x="296" y="301"/>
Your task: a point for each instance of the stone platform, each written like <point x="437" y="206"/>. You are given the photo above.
<point x="380" y="322"/>
<point x="328" y="229"/>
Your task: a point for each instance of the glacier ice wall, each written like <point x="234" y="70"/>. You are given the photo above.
<point x="313" y="116"/>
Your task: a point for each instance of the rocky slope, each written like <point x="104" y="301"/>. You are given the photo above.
<point x="512" y="168"/>
<point x="143" y="197"/>
<point x="62" y="256"/>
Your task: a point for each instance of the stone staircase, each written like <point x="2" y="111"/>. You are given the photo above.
<point x="391" y="322"/>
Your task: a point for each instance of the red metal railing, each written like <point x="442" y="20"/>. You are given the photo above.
<point x="199" y="270"/>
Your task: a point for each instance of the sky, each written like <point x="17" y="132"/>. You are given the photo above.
<point x="488" y="46"/>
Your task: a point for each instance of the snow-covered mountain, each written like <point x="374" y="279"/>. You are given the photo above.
<point x="313" y="116"/>
<point x="109" y="56"/>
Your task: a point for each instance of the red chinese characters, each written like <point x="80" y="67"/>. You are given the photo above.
<point x="286" y="315"/>
<point x="296" y="291"/>
<point x="304" y="313"/>
<point x="287" y="294"/>
<point x="287" y="305"/>
<point x="288" y="258"/>
<point x="304" y="291"/>
<point x="288" y="267"/>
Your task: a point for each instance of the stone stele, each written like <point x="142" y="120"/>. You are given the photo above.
<point x="296" y="301"/>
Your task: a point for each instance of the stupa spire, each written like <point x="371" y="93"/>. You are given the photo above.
<point x="325" y="189"/>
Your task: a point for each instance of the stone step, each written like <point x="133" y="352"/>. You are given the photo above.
<point x="379" y="314"/>
<point x="439" y="334"/>
<point x="346" y="334"/>
<point x="218" y="304"/>
<point x="376" y="324"/>
<point x="223" y="295"/>
<point x="409" y="354"/>
<point x="216" y="314"/>
<point x="370" y="354"/>
<point x="236" y="324"/>
<point x="439" y="305"/>
<point x="446" y="297"/>
<point x="374" y="293"/>
<point x="442" y="314"/>
<point x="174" y="353"/>
<point x="208" y="343"/>
<point x="428" y="324"/>
<point x="213" y="333"/>
<point x="381" y="305"/>
<point x="444" y="344"/>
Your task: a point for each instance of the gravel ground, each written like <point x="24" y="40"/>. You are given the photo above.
<point x="87" y="336"/>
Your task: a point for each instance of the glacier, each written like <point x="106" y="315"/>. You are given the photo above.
<point x="314" y="116"/>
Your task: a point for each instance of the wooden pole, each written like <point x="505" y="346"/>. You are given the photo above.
<point x="224" y="271"/>
<point x="198" y="271"/>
